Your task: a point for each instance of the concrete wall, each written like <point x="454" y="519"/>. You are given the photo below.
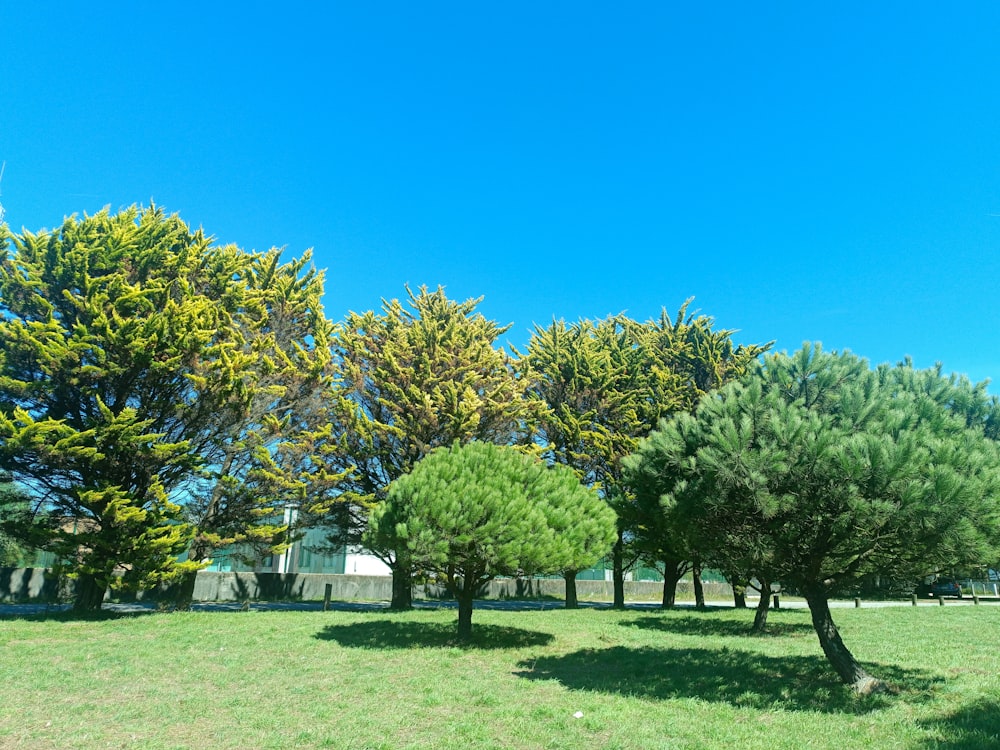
<point x="32" y="584"/>
<point x="227" y="587"/>
<point x="28" y="584"/>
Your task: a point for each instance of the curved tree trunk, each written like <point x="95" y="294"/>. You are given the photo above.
<point x="699" y="590"/>
<point x="570" y="577"/>
<point x="88" y="595"/>
<point x="763" y="608"/>
<point x="842" y="660"/>
<point x="402" y="585"/>
<point x="618" y="571"/>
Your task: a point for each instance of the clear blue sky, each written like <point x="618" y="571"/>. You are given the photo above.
<point x="825" y="173"/>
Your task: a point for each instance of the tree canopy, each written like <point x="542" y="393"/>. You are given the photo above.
<point x="130" y="349"/>
<point x="268" y="462"/>
<point x="472" y="512"/>
<point x="819" y="471"/>
<point x="608" y="383"/>
<point x="411" y="379"/>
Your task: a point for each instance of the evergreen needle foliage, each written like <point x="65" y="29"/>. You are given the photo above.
<point x="818" y="471"/>
<point x="411" y="379"/>
<point x="606" y="385"/>
<point x="145" y="379"/>
<point x="471" y="513"/>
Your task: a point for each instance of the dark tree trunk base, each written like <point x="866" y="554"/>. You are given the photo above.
<point x="669" y="590"/>
<point x="699" y="589"/>
<point x="840" y="658"/>
<point x="571" y="600"/>
<point x="89" y="594"/>
<point x="185" y="591"/>
<point x="763" y="608"/>
<point x="739" y="597"/>
<point x="618" y="572"/>
<point x="402" y="587"/>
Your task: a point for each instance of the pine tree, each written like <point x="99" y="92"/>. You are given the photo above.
<point x="820" y="471"/>
<point x="470" y="513"/>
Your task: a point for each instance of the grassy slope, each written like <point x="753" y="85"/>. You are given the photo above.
<point x="375" y="680"/>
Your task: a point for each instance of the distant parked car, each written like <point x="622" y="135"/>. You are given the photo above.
<point x="940" y="587"/>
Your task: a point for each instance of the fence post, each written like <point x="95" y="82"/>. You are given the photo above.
<point x="913" y="599"/>
<point x="857" y="602"/>
<point x="327" y="593"/>
<point x="941" y="600"/>
<point x="777" y="602"/>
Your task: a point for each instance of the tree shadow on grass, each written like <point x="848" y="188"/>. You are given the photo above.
<point x="743" y="679"/>
<point x="695" y="625"/>
<point x="972" y="727"/>
<point x="385" y="634"/>
<point x="71" y="616"/>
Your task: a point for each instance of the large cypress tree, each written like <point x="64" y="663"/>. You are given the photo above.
<point x="607" y="384"/>
<point x="592" y="378"/>
<point x="268" y="462"/>
<point x="412" y="378"/>
<point x="126" y="365"/>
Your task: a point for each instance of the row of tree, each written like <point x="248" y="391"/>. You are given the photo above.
<point x="163" y="398"/>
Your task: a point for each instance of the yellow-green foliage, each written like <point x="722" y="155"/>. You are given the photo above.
<point x="608" y="383"/>
<point x="413" y="379"/>
<point x="142" y="368"/>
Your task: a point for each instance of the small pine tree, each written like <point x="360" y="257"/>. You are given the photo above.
<point x="474" y="512"/>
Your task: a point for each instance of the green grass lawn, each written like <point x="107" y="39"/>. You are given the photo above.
<point x="641" y="679"/>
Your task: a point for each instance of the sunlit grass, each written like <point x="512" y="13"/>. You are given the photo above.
<point x="640" y="679"/>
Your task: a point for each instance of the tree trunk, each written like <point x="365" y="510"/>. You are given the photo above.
<point x="670" y="578"/>
<point x="465" y="617"/>
<point x="185" y="591"/>
<point x="89" y="593"/>
<point x="463" y="585"/>
<point x="763" y="608"/>
<point x="618" y="571"/>
<point x="570" y="577"/>
<point x="699" y="590"/>
<point x="402" y="585"/>
<point x="673" y="571"/>
<point x="739" y="596"/>
<point x="842" y="660"/>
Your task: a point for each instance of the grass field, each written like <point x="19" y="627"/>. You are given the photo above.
<point x="640" y="679"/>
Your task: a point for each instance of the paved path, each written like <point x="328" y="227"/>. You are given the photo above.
<point x="23" y="610"/>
